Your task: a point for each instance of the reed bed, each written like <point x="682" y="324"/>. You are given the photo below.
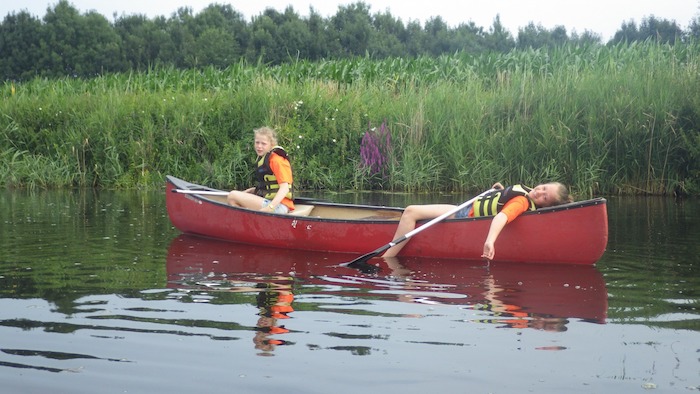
<point x="619" y="119"/>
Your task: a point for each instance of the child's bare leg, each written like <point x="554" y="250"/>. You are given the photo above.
<point x="410" y="216"/>
<point x="246" y="200"/>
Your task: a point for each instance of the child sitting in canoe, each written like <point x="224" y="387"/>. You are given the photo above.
<point x="273" y="192"/>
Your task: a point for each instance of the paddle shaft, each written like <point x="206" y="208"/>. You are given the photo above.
<point x="222" y="193"/>
<point x="417" y="230"/>
<point x="203" y="192"/>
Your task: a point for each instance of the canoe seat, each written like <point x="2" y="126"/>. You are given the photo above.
<point x="301" y="210"/>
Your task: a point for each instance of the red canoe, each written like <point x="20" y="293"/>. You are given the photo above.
<point x="523" y="294"/>
<point x="575" y="233"/>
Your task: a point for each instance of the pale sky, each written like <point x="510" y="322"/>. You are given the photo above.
<point x="598" y="16"/>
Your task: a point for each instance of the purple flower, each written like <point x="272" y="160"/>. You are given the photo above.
<point x="374" y="149"/>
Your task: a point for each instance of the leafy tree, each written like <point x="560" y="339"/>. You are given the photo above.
<point x="295" y="36"/>
<point x="218" y="32"/>
<point x="499" y="38"/>
<point x="558" y="36"/>
<point x="388" y="36"/>
<point x="20" y="42"/>
<point x="652" y="28"/>
<point x="467" y="37"/>
<point x="181" y="50"/>
<point x="414" y="41"/>
<point x="279" y="37"/>
<point x="694" y="29"/>
<point x="661" y="30"/>
<point x="59" y="41"/>
<point x="532" y="36"/>
<point x="78" y="45"/>
<point x="99" y="47"/>
<point x="353" y="26"/>
<point x="588" y="37"/>
<point x="217" y="47"/>
<point x="263" y="43"/>
<point x="319" y="36"/>
<point x="438" y="39"/>
<point x="235" y="24"/>
<point x="142" y="39"/>
<point x="628" y="32"/>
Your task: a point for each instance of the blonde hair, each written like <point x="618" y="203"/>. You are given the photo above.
<point x="564" y="196"/>
<point x="268" y="132"/>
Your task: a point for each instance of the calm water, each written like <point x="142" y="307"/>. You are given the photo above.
<point x="98" y="293"/>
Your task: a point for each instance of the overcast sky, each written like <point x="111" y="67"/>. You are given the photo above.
<point x="598" y="16"/>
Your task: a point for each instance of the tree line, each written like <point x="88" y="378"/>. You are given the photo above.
<point x="67" y="43"/>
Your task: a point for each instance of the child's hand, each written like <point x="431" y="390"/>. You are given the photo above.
<point x="489" y="251"/>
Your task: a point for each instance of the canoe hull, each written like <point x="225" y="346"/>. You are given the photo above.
<point x="575" y="233"/>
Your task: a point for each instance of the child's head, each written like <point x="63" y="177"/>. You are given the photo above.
<point x="265" y="140"/>
<point x="550" y="194"/>
<point x="268" y="133"/>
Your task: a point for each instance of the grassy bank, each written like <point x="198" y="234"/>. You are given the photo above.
<point x="604" y="120"/>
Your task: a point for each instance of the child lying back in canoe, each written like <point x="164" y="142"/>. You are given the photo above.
<point x="505" y="204"/>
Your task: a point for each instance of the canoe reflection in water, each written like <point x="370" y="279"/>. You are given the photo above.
<point x="538" y="296"/>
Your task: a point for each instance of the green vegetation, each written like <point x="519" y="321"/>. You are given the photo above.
<point x="92" y="103"/>
<point x="613" y="119"/>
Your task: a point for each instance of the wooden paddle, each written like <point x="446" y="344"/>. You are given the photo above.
<point x="365" y="257"/>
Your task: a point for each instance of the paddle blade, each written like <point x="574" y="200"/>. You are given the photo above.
<point x="375" y="252"/>
<point x="364" y="267"/>
<point x="363" y="259"/>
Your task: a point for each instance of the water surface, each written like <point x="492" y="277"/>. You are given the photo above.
<point x="97" y="290"/>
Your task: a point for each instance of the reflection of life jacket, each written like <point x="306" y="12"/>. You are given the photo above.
<point x="267" y="181"/>
<point x="512" y="316"/>
<point x="278" y="330"/>
<point x="492" y="203"/>
<point x="519" y="319"/>
<point x="275" y="304"/>
<point x="272" y="330"/>
<point x="283" y="306"/>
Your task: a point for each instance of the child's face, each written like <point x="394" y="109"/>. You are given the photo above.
<point x="262" y="145"/>
<point x="545" y="195"/>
